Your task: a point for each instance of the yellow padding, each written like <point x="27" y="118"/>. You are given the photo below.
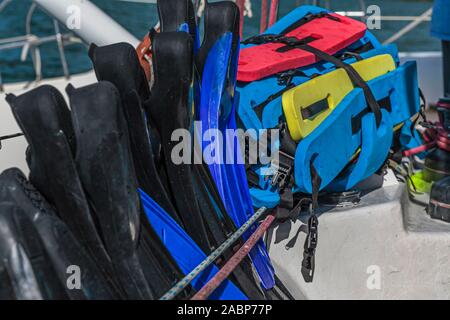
<point x="327" y="90"/>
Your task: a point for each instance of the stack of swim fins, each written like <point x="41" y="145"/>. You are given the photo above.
<point x="107" y="213"/>
<point x="176" y="50"/>
<point x="83" y="197"/>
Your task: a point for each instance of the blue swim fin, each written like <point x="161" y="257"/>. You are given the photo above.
<point x="184" y="250"/>
<point x="218" y="71"/>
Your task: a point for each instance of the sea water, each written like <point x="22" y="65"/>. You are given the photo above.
<point x="139" y="17"/>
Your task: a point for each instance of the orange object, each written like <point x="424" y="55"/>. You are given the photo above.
<point x="144" y="51"/>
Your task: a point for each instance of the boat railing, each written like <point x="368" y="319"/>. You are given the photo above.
<point x="415" y="21"/>
<point x="30" y="43"/>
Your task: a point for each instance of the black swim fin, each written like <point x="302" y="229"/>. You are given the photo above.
<point x="119" y="64"/>
<point x="169" y="108"/>
<point x="26" y="271"/>
<point x="45" y="119"/>
<point x="178" y="15"/>
<point x="220" y="17"/>
<point x="62" y="248"/>
<point x="107" y="173"/>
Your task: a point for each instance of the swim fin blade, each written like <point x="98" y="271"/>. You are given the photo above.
<point x="45" y="119"/>
<point x="172" y="61"/>
<point x="107" y="173"/>
<point x="119" y="64"/>
<point x="26" y="272"/>
<point x="178" y="15"/>
<point x="217" y="60"/>
<point x="63" y="250"/>
<point x="185" y="251"/>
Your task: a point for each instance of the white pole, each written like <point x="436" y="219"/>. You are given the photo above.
<point x="87" y="21"/>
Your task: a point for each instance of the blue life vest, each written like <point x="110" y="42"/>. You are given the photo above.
<point x="260" y="107"/>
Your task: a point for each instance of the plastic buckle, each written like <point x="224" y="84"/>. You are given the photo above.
<point x="291" y="41"/>
<point x="285" y="78"/>
<point x="263" y="38"/>
<point x="308" y="266"/>
<point x="283" y="170"/>
<point x="313" y="232"/>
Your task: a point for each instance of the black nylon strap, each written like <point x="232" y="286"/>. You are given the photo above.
<point x="384" y="103"/>
<point x="286" y="77"/>
<point x="284" y="178"/>
<point x="308" y="263"/>
<point x="266" y="38"/>
<point x="303" y="41"/>
<point x="348" y="54"/>
<point x="354" y="76"/>
<point x="259" y="109"/>
<point x="252" y="178"/>
<point x="308" y="18"/>
<point x="316" y="108"/>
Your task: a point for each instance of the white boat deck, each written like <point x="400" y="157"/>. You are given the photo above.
<point x="384" y="248"/>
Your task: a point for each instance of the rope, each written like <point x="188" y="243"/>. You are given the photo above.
<point x="183" y="283"/>
<point x="434" y="137"/>
<point x="234" y="261"/>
